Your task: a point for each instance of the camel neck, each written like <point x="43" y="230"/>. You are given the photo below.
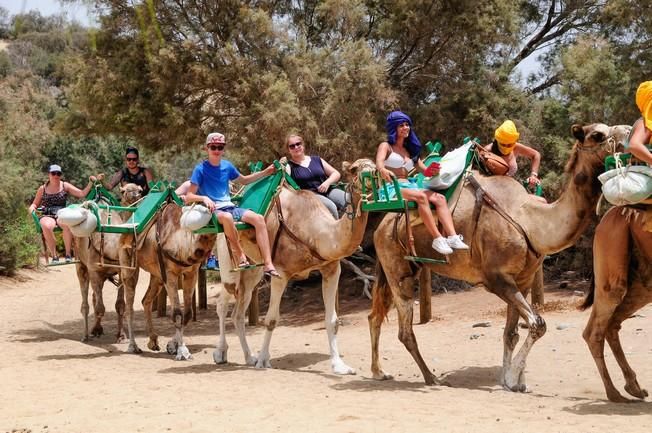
<point x="558" y="225"/>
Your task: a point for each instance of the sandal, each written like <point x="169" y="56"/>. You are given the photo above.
<point x="272" y="273"/>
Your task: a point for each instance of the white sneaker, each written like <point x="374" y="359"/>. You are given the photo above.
<point x="440" y="245"/>
<point x="456" y="242"/>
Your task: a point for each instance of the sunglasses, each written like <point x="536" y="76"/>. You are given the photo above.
<point x="132" y="159"/>
<point x="219" y="147"/>
<point x="55" y="173"/>
<point x="294" y="145"/>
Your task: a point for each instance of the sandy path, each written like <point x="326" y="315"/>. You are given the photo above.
<point x="54" y="383"/>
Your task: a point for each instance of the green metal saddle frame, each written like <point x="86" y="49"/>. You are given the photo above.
<point x="374" y="201"/>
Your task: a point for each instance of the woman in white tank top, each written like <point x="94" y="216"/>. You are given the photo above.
<point x="395" y="158"/>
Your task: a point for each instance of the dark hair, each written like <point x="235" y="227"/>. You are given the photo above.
<point x="496" y="150"/>
<point x="131" y="149"/>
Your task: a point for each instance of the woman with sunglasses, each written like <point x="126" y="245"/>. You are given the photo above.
<point x="399" y="155"/>
<point x="132" y="172"/>
<point x="312" y="173"/>
<point x="50" y="197"/>
<point x="506" y="146"/>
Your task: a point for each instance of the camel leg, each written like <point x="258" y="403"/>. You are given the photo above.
<point x="153" y="290"/>
<point x="512" y="375"/>
<point x="82" y="276"/>
<point x="129" y="277"/>
<point x="404" y="306"/>
<point x="120" y="311"/>
<point x="636" y="298"/>
<point x="176" y="345"/>
<point x="248" y="281"/>
<point x="610" y="267"/>
<point x="97" y="283"/>
<point x="510" y="338"/>
<point x="271" y="320"/>
<point x="330" y="279"/>
<point x="382" y="302"/>
<point x="220" y="354"/>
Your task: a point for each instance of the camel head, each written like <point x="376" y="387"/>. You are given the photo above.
<point x="594" y="143"/>
<point x="131" y="193"/>
<point x="353" y="170"/>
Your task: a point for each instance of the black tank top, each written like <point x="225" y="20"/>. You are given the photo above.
<point x="308" y="177"/>
<point x="138" y="178"/>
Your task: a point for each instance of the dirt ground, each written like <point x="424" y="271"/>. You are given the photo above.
<point x="52" y="382"/>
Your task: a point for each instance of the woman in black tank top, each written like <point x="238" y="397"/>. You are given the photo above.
<point x="314" y="174"/>
<point x="50" y="197"/>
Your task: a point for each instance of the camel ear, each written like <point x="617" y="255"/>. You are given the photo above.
<point x="578" y="132"/>
<point x="122" y="189"/>
<point x="346" y="166"/>
<point x="140" y="188"/>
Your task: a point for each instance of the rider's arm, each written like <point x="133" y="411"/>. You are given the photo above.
<point x="381" y="156"/>
<point x="148" y="175"/>
<point x="37" y="199"/>
<point x="637" y="142"/>
<point x="532" y="154"/>
<point x="245" y="179"/>
<point x="79" y="193"/>
<point x="115" y="179"/>
<point x="333" y="176"/>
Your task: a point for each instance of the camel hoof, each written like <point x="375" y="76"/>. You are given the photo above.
<point x="97" y="331"/>
<point x="152" y="344"/>
<point x="85" y="339"/>
<point x="183" y="354"/>
<point x="172" y="347"/>
<point x="636" y="390"/>
<point x="251" y="360"/>
<point x="617" y="398"/>
<point x="120" y="338"/>
<point x="219" y="356"/>
<point x="382" y="376"/>
<point x="341" y="368"/>
<point x="134" y="349"/>
<point x="263" y="363"/>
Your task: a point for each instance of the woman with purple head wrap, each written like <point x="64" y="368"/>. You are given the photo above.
<point x="399" y="155"/>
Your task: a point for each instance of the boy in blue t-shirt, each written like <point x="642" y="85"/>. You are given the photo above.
<point x="209" y="184"/>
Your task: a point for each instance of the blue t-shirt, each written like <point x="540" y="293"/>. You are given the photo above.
<point x="213" y="181"/>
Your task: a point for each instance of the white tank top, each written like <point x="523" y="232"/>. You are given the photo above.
<point x="396" y="160"/>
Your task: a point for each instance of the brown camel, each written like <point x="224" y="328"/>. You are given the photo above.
<point x="311" y="240"/>
<point x="171" y="255"/>
<point x="504" y="256"/>
<point x="622" y="257"/>
<point x="90" y="270"/>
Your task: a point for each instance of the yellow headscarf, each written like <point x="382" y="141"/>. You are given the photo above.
<point x="644" y="102"/>
<point x="506" y="136"/>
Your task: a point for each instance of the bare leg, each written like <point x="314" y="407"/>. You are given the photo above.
<point x="262" y="238"/>
<point x="423" y="206"/>
<point x="67" y="240"/>
<point x="443" y="212"/>
<point x="226" y="219"/>
<point x="47" y="225"/>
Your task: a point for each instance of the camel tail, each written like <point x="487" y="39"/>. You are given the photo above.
<point x="381" y="295"/>
<point x="588" y="301"/>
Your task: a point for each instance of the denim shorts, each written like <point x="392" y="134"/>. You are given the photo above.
<point x="236" y="212"/>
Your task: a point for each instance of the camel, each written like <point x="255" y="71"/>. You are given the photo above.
<point x="89" y="269"/>
<point x="310" y="240"/>
<point x="504" y="256"/>
<point x="622" y="257"/>
<point x="171" y="255"/>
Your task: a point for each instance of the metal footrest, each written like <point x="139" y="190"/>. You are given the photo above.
<point x="246" y="268"/>
<point x="426" y="260"/>
<point x="61" y="263"/>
